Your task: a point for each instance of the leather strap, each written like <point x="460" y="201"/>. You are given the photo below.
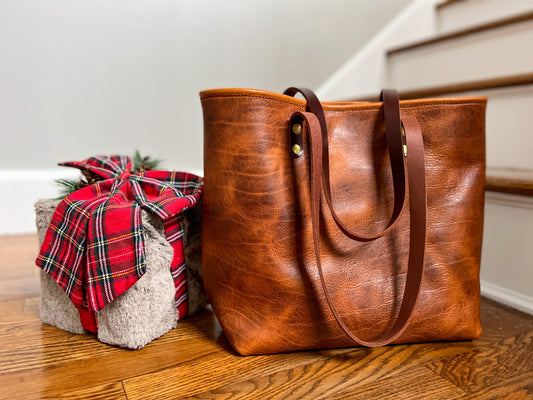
<point x="391" y="105"/>
<point x="417" y="209"/>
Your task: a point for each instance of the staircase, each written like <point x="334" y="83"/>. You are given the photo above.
<point x="485" y="47"/>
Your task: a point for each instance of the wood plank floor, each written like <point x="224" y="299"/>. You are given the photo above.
<point x="38" y="361"/>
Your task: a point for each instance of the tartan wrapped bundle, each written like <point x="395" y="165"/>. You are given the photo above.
<point x="94" y="246"/>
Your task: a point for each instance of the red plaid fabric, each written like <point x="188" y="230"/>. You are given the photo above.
<point x="94" y="246"/>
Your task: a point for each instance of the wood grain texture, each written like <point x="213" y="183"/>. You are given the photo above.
<point x="519" y="387"/>
<point x="110" y="391"/>
<point x="337" y="377"/>
<point x="417" y="383"/>
<point x="38" y="361"/>
<point x="488" y="365"/>
<point x="20" y="288"/>
<point x="87" y="362"/>
<point x="19" y="279"/>
<point x="500" y="322"/>
<point x="18" y="260"/>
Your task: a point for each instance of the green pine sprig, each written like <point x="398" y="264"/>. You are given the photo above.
<point x="66" y="187"/>
<point x="141" y="164"/>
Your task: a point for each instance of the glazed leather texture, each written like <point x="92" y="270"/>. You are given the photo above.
<point x="258" y="261"/>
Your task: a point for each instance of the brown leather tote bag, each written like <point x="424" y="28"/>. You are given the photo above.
<point x="341" y="224"/>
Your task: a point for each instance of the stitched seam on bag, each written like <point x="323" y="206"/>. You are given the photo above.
<point x="256" y="97"/>
<point x="457" y="102"/>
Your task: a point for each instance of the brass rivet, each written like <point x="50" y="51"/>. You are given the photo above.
<point x="297" y="129"/>
<point x="296" y="149"/>
<point x="404" y="150"/>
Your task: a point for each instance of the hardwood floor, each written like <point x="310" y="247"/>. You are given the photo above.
<point x="38" y="361"/>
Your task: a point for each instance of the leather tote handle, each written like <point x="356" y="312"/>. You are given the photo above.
<point x="391" y="103"/>
<point x="415" y="171"/>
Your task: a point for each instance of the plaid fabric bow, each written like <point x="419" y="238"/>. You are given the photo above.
<point x="94" y="246"/>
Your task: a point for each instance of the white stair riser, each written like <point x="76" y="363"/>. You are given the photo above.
<point x="508" y="126"/>
<point x="465" y="14"/>
<point x="498" y="52"/>
<point x="23" y="188"/>
<point x="507" y="259"/>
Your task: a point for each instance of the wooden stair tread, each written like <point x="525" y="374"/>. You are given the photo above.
<point x="484" y="84"/>
<point x="465" y="32"/>
<point x="512" y="181"/>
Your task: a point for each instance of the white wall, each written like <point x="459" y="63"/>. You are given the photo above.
<point x="87" y="77"/>
<point x="506" y="266"/>
<point x="365" y="73"/>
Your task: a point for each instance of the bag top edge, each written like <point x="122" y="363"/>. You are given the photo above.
<point x="334" y="105"/>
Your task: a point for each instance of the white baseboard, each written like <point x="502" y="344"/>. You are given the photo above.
<point x="21" y="188"/>
<point x="508" y="297"/>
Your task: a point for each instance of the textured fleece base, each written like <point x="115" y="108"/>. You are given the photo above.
<point x="192" y="224"/>
<point x="145" y="311"/>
